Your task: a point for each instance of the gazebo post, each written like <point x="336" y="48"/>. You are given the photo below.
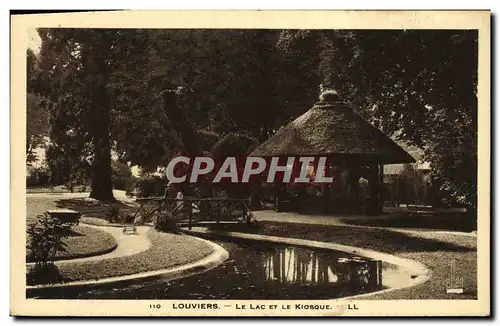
<point x="326" y="189"/>
<point x="374" y="182"/>
<point x="354" y="185"/>
<point x="381" y="189"/>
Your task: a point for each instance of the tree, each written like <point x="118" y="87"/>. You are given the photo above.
<point x="215" y="93"/>
<point x="37" y="125"/>
<point x="95" y="52"/>
<point x="74" y="70"/>
<point x="419" y="85"/>
<point x="151" y="94"/>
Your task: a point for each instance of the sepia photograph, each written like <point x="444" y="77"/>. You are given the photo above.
<point x="263" y="169"/>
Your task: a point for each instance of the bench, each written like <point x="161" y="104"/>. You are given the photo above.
<point x="65" y="215"/>
<point x="130" y="229"/>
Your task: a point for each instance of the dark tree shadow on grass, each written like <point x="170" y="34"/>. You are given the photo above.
<point x="375" y="239"/>
<point x="94" y="208"/>
<point x="74" y="233"/>
<point x="439" y="221"/>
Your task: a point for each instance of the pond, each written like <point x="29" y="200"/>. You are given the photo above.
<point x="254" y="270"/>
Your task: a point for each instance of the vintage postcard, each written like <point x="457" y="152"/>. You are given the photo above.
<point x="250" y="163"/>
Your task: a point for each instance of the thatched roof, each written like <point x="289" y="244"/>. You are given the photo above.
<point x="331" y="128"/>
<point x="234" y="144"/>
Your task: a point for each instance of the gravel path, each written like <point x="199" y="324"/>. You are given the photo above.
<point x="128" y="244"/>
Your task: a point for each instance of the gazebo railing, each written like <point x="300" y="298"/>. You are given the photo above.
<point x="193" y="210"/>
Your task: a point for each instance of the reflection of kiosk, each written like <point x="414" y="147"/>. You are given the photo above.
<point x="289" y="265"/>
<point x="354" y="148"/>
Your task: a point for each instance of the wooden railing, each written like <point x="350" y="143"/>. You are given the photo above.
<point x="193" y="210"/>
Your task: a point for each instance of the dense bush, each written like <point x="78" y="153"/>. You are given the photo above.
<point x="151" y="185"/>
<point x="46" y="237"/>
<point x="45" y="240"/>
<point x="121" y="176"/>
<point x="37" y="177"/>
<point x="44" y="274"/>
<point x="166" y="222"/>
<point x="114" y="214"/>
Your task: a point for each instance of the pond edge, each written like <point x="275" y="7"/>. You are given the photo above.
<point x="214" y="259"/>
<point x="419" y="270"/>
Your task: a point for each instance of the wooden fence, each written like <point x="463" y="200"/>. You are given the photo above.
<point x="193" y="211"/>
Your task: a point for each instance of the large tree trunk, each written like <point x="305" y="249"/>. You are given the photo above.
<point x="99" y="119"/>
<point x="102" y="188"/>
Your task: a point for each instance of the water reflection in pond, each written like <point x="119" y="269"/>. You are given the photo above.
<point x="253" y="271"/>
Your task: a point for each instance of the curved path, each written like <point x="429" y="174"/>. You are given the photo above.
<point x="127" y="244"/>
<point x="214" y="259"/>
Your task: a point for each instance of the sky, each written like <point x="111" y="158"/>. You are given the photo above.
<point x="34" y="41"/>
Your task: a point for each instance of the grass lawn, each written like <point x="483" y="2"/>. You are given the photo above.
<point x="85" y="242"/>
<point x="167" y="250"/>
<point x="99" y="221"/>
<point x="434" y="250"/>
<point x="39" y="204"/>
<point x="60" y="188"/>
<point x="36" y="206"/>
<point x="437" y="221"/>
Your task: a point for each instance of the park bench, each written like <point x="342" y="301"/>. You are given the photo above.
<point x="65" y="215"/>
<point x="132" y="229"/>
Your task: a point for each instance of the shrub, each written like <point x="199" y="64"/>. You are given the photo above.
<point x="130" y="191"/>
<point x="38" y="176"/>
<point x="121" y="176"/>
<point x="114" y="214"/>
<point x="129" y="218"/>
<point x="46" y="239"/>
<point x="166" y="222"/>
<point x="151" y="185"/>
<point x="250" y="218"/>
<point x="44" y="274"/>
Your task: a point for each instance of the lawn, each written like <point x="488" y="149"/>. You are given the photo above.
<point x="434" y="250"/>
<point x="36" y="206"/>
<point x="39" y="203"/>
<point x="100" y="222"/>
<point x="56" y="189"/>
<point x="167" y="250"/>
<point x="85" y="242"/>
<point x="436" y="221"/>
